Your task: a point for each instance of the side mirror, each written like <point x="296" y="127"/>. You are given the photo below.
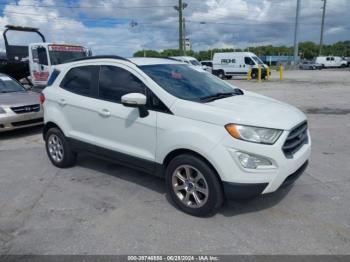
<point x="136" y="100"/>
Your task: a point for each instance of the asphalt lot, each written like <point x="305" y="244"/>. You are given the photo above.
<point x="102" y="208"/>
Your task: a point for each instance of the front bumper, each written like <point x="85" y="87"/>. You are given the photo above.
<point x="244" y="191"/>
<point x="10" y="120"/>
<point x="261" y="180"/>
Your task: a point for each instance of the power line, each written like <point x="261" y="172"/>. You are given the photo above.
<point x="86" y="7"/>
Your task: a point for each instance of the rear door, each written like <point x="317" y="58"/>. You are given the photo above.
<point x="77" y="104"/>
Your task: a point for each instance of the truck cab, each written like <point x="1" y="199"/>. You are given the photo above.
<point x="31" y="63"/>
<point x="43" y="56"/>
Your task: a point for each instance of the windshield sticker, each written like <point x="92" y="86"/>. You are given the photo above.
<point x="176" y="75"/>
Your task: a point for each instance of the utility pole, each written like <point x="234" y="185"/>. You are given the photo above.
<point x="296" y="31"/>
<point x="322" y="25"/>
<point x="180" y="9"/>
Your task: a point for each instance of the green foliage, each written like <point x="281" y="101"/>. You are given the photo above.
<point x="307" y="50"/>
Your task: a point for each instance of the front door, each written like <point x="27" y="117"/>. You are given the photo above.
<point x="39" y="65"/>
<point x="121" y="128"/>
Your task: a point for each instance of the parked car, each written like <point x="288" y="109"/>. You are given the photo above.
<point x="310" y="65"/>
<point x="188" y="60"/>
<point x="331" y="61"/>
<point x="226" y="65"/>
<point x="209" y="139"/>
<point x="18" y="107"/>
<point x="207" y="65"/>
<point x="347" y="59"/>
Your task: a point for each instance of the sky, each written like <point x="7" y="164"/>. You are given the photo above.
<point x="122" y="27"/>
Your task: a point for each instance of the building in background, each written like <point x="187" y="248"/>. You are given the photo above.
<point x="188" y="44"/>
<point x="277" y="60"/>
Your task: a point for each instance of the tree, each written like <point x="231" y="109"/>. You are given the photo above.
<point x="308" y="50"/>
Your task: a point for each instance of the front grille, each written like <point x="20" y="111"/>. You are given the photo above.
<point x="26" y="109"/>
<point x="28" y="122"/>
<point x="295" y="140"/>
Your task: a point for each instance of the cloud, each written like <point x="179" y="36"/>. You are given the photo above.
<point x="105" y="26"/>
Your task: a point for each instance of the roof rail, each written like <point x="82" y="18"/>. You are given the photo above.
<point x="98" y="57"/>
<point x="160" y="57"/>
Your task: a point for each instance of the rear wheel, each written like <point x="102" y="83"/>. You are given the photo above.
<point x="193" y="185"/>
<point x="58" y="149"/>
<point x="221" y="74"/>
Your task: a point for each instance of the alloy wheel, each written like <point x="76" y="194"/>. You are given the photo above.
<point x="55" y="147"/>
<point x="190" y="186"/>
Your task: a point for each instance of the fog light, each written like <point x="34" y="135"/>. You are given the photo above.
<point x="252" y="162"/>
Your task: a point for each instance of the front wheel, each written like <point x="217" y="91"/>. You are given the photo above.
<point x="194" y="186"/>
<point x="58" y="149"/>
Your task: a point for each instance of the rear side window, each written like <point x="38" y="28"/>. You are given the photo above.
<point x="114" y="82"/>
<point x="53" y="77"/>
<point x="80" y="80"/>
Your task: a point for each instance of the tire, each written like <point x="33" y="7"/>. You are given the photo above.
<point x="254" y="74"/>
<point x="221" y="74"/>
<point x="194" y="186"/>
<point x="58" y="149"/>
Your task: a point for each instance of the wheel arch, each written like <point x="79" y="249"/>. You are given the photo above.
<point x="48" y="126"/>
<point x="171" y="155"/>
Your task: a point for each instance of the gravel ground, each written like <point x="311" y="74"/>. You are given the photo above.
<point x="102" y="208"/>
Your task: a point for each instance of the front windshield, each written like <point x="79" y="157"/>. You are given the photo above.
<point x="8" y="85"/>
<point x="185" y="82"/>
<point x="60" y="57"/>
<point x="195" y="62"/>
<point x="257" y="59"/>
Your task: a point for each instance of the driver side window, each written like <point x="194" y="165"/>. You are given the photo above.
<point x="248" y="61"/>
<point x="114" y="82"/>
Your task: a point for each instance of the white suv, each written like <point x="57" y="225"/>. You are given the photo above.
<point x="209" y="140"/>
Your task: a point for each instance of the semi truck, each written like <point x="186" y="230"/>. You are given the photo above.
<point x="32" y="63"/>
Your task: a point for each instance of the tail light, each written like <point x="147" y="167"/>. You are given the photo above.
<point x="42" y="99"/>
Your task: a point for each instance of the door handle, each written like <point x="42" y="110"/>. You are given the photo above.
<point x="104" y="113"/>
<point x="62" y="102"/>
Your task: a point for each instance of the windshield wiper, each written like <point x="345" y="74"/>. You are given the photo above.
<point x="221" y="95"/>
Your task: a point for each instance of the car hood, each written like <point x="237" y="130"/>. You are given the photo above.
<point x="248" y="109"/>
<point x="19" y="99"/>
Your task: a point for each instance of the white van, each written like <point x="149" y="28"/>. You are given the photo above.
<point x="226" y="65"/>
<point x="331" y="61"/>
<point x="188" y="60"/>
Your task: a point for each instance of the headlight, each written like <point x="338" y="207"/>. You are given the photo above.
<point x="2" y="111"/>
<point x="254" y="134"/>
